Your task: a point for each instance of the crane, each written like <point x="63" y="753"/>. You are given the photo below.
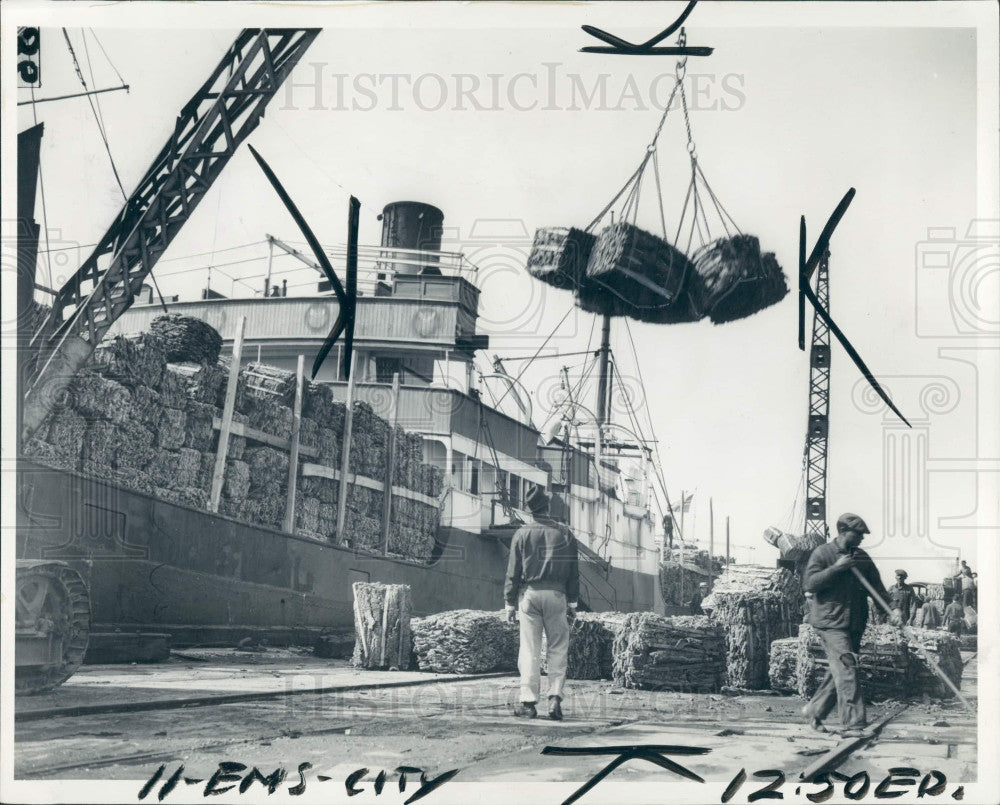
<point x="211" y="126"/>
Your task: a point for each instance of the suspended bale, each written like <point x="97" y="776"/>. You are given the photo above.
<point x="559" y="256"/>
<point x="132" y="363"/>
<point x="793" y="547"/>
<point x="639" y="270"/>
<point x="652" y="652"/>
<point x="732" y="279"/>
<point x="185" y="338"/>
<point x="382" y="633"/>
<point x="465" y="641"/>
<point x="782" y="670"/>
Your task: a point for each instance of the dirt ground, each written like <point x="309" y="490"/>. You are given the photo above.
<point x="433" y="723"/>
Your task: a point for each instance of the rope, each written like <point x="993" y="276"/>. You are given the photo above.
<point x="537" y="353"/>
<point x="106" y="56"/>
<point x="97" y="119"/>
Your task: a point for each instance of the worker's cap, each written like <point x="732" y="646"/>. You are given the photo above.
<point x="536" y="500"/>
<point x="851" y="522"/>
<point x="902" y="573"/>
<point x="704" y="584"/>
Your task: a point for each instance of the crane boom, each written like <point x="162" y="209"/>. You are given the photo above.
<point x="209" y="129"/>
<point x="818" y="431"/>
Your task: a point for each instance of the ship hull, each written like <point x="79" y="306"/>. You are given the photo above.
<point x="153" y="565"/>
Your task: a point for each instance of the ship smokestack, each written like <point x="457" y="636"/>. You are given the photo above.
<point x="410" y="225"/>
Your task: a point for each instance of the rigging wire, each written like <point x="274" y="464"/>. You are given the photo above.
<point x="538" y="351"/>
<point x="45" y="214"/>
<point x="90" y="100"/>
<point x="106" y="56"/>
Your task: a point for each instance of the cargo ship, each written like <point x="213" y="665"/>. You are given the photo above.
<point x="98" y="556"/>
<point x="156" y="565"/>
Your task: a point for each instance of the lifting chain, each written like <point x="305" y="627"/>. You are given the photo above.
<point x="681" y="72"/>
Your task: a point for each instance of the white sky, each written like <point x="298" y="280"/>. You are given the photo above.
<point x="890" y="111"/>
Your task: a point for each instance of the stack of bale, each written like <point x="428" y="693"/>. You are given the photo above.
<point x="465" y="641"/>
<point x="678" y="582"/>
<point x="134" y="419"/>
<point x="732" y="279"/>
<point x="685" y="653"/>
<point x="754" y="606"/>
<point x="891" y="666"/>
<point x="382" y="632"/>
<point x="783" y="667"/>
<point x="591" y="644"/>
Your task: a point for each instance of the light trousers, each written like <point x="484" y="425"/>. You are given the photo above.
<point x="542" y="610"/>
<point x="841" y="686"/>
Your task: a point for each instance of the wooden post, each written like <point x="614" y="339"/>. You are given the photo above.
<point x="711" y="545"/>
<point x="293" y="453"/>
<point x="681" y="529"/>
<point x="727" y="544"/>
<point x="345" y="461"/>
<point x="219" y="473"/>
<point x="390" y="462"/>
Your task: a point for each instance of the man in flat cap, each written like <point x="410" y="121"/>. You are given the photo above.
<point x="903" y="597"/>
<point x="542" y="585"/>
<point x="839" y="613"/>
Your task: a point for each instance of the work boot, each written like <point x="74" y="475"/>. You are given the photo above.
<point x="526" y="710"/>
<point x="854" y="732"/>
<point x="814" y="722"/>
<point x="555" y="708"/>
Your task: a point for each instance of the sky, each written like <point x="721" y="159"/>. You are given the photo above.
<point x="786" y="117"/>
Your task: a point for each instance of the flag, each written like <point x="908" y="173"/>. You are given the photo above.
<point x="685" y="505"/>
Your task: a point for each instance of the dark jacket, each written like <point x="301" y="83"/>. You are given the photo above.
<point x="903" y="598"/>
<point x="543" y="556"/>
<point x="839" y="599"/>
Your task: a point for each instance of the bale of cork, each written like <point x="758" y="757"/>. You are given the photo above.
<point x="382" y="634"/>
<point x="465" y="641"/>
<point x="653" y="652"/>
<point x="782" y="670"/>
<point x="185" y="338"/>
<point x="732" y="279"/>
<point x="559" y="256"/>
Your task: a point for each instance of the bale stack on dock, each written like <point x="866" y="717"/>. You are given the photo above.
<point x="679" y="581"/>
<point x="783" y="666"/>
<point x="653" y="652"/>
<point x="559" y="256"/>
<point x="591" y="644"/>
<point x="382" y="634"/>
<point x="134" y="419"/>
<point x="891" y="666"/>
<point x="755" y="606"/>
<point x="732" y="279"/>
<point x="465" y="641"/>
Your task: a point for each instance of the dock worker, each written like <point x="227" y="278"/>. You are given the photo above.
<point x="968" y="586"/>
<point x="697" y="597"/>
<point x="954" y="617"/>
<point x="902" y="596"/>
<point x="839" y="613"/>
<point x="542" y="587"/>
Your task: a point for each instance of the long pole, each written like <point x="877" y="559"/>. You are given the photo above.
<point x="908" y="633"/>
<point x="293" y="455"/>
<point x="711" y="545"/>
<point x="345" y="460"/>
<point x="727" y="544"/>
<point x="390" y="463"/>
<point x="682" y="550"/>
<point x="602" y="386"/>
<point x="219" y="472"/>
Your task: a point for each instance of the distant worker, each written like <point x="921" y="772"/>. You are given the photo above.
<point x="954" y="617"/>
<point x="839" y="614"/>
<point x="968" y="586"/>
<point x="697" y="598"/>
<point x="902" y="596"/>
<point x="542" y="586"/>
